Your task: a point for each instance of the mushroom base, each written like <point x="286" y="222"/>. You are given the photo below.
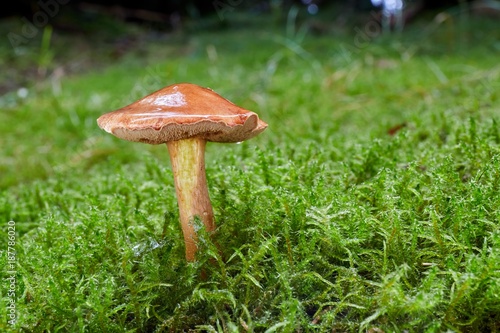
<point x="188" y="165"/>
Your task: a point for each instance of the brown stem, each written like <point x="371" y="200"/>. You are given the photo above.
<point x="188" y="164"/>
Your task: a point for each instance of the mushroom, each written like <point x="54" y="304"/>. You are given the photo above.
<point x="185" y="116"/>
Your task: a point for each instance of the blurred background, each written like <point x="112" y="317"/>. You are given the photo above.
<point x="37" y="33"/>
<point x="154" y="10"/>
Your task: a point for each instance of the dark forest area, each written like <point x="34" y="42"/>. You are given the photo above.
<point x="154" y="9"/>
<point x="173" y="15"/>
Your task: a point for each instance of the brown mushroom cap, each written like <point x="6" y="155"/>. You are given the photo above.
<point x="182" y="111"/>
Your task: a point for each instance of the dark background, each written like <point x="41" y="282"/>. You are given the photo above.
<point x="187" y="7"/>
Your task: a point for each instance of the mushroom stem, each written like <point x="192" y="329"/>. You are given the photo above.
<point x="188" y="164"/>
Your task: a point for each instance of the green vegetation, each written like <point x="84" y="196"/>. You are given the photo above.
<point x="369" y="204"/>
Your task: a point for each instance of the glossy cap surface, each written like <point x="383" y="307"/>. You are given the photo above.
<point x="182" y="111"/>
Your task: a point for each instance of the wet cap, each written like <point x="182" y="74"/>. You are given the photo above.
<point x="182" y="111"/>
